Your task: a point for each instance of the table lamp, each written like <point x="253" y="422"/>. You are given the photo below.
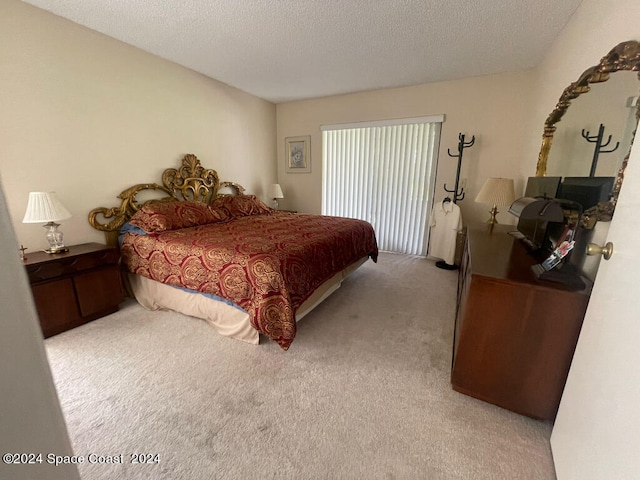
<point x="275" y="192"/>
<point x="498" y="192"/>
<point x="44" y="207"/>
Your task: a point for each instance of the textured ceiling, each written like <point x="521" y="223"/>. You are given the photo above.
<point x="284" y="50"/>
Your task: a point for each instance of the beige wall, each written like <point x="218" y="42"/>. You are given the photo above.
<point x="493" y="108"/>
<point x="87" y="116"/>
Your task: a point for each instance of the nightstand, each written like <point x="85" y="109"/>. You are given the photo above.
<point x="75" y="287"/>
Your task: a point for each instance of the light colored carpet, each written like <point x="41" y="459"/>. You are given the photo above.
<point x="363" y="392"/>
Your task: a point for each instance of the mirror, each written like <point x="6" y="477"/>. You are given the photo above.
<point x="608" y="104"/>
<point x="606" y="111"/>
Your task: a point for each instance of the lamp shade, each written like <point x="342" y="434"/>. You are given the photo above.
<point x="275" y="191"/>
<point x="44" y="207"/>
<point x="497" y="191"/>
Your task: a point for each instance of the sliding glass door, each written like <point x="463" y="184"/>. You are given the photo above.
<point x="383" y="172"/>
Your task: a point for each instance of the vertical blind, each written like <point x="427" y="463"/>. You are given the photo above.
<point x="383" y="174"/>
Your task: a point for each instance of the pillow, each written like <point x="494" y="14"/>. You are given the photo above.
<point x="128" y="228"/>
<point x="239" y="206"/>
<point x="161" y="216"/>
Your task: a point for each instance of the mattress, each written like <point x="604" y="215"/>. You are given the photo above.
<point x="226" y="319"/>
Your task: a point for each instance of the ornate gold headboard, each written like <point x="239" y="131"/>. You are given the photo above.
<point x="190" y="182"/>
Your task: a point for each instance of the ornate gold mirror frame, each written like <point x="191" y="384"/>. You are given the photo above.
<point x="190" y="182"/>
<point x="625" y="56"/>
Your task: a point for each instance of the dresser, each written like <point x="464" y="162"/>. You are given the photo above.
<point x="514" y="335"/>
<point x="74" y="287"/>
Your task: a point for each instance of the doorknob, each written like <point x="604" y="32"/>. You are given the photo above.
<point x="595" y="249"/>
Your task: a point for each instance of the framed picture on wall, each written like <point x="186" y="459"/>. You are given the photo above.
<point x="297" y="156"/>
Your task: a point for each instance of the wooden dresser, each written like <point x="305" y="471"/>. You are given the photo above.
<point x="75" y="287"/>
<point x="514" y="335"/>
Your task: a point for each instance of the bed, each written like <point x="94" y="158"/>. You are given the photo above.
<point x="208" y="250"/>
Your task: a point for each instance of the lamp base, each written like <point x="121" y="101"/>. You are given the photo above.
<point x="275" y="203"/>
<point x="54" y="237"/>
<point x="56" y="250"/>
<point x="492" y="220"/>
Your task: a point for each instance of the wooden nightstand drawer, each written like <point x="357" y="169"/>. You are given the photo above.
<point x="93" y="260"/>
<point x="45" y="271"/>
<point x="44" y="266"/>
<point x="74" y="287"/>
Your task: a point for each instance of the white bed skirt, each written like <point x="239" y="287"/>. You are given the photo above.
<point x="227" y="320"/>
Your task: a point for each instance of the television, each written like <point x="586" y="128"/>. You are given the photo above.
<point x="587" y="191"/>
<point x="535" y="231"/>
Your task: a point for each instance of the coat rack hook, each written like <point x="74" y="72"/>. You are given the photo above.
<point x="458" y="194"/>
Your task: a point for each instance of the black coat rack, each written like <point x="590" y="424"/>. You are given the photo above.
<point x="600" y="147"/>
<point x="459" y="194"/>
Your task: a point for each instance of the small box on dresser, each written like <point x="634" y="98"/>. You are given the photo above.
<point x="75" y="287"/>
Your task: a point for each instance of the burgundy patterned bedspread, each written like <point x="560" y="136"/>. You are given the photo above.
<point x="267" y="264"/>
